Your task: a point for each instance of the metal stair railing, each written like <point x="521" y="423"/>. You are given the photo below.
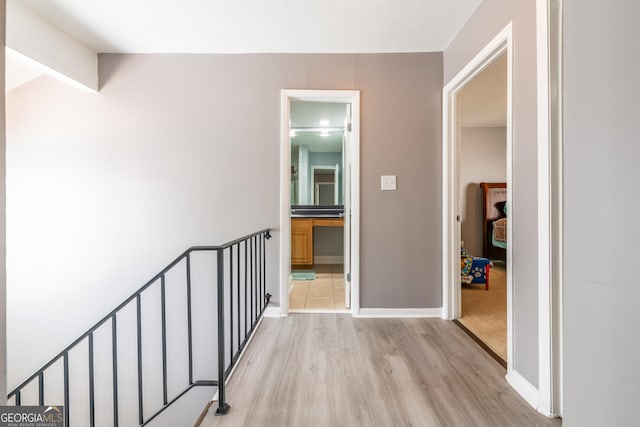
<point x="243" y="277"/>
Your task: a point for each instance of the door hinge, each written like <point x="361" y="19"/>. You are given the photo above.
<point x="348" y="277"/>
<point x="348" y="127"/>
<point x="458" y="218"/>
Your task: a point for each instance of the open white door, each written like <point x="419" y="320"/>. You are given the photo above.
<point x="346" y="192"/>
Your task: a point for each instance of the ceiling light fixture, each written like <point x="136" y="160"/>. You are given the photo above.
<point x="324" y="122"/>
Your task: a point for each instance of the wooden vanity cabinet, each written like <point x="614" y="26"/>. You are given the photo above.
<point x="301" y="241"/>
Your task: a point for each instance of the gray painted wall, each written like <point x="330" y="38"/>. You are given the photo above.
<point x="3" y="204"/>
<point x="601" y="203"/>
<point x="487" y="21"/>
<point x="401" y="243"/>
<point x="483" y="158"/>
<point x="110" y="187"/>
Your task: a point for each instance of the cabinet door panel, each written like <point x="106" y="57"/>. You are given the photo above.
<point x="302" y="242"/>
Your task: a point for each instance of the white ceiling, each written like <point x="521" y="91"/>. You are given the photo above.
<point x="483" y="102"/>
<point x="245" y="26"/>
<point x="248" y="26"/>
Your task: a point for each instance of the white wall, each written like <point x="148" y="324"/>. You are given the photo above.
<point x="601" y="206"/>
<point x="483" y="158"/>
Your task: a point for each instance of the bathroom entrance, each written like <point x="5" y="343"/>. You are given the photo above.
<point x="318" y="215"/>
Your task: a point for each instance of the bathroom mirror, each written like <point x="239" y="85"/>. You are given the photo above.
<point x="316" y="137"/>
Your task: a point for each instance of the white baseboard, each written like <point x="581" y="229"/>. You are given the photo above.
<point x="524" y="388"/>
<point x="321" y="311"/>
<point x="328" y="259"/>
<point x="400" y="312"/>
<point x="272" y="311"/>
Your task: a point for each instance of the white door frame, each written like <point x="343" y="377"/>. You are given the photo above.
<point x="346" y="96"/>
<point x="550" y="205"/>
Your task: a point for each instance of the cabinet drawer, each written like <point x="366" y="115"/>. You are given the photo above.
<point x="301" y="224"/>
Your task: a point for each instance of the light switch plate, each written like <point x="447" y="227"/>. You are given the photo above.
<point x="388" y="182"/>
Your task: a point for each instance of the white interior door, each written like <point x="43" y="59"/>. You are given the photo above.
<point x="346" y="192"/>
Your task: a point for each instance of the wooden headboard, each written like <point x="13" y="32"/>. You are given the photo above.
<point x="492" y="193"/>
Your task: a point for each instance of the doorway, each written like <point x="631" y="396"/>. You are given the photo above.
<point x="499" y="47"/>
<point x="319" y="210"/>
<point x="483" y="207"/>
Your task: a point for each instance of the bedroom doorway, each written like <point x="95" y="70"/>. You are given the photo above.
<point x="483" y="207"/>
<point x="477" y="149"/>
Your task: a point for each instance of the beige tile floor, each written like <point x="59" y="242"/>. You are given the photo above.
<point x="326" y="292"/>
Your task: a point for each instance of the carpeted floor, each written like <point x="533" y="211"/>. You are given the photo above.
<point x="485" y="312"/>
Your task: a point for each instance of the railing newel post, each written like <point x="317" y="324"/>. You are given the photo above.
<point x="92" y="408"/>
<point x="139" y="348"/>
<point x="189" y="326"/>
<point x="223" y="407"/>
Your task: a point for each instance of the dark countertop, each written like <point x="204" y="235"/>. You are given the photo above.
<point x="317" y="211"/>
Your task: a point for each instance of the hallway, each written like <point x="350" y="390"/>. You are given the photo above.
<point x="336" y="370"/>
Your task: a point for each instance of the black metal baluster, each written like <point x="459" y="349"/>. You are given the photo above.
<point x="189" y="331"/>
<point x="65" y="360"/>
<point x="264" y="269"/>
<point x="114" y="359"/>
<point x="41" y="388"/>
<point x="260" y="281"/>
<point x="164" y="340"/>
<point x="231" y="303"/>
<point x="18" y="398"/>
<point x="246" y="294"/>
<point x="238" y="293"/>
<point x="251" y="280"/>
<point x="139" y="339"/>
<point x="223" y="407"/>
<point x="254" y="270"/>
<point x="92" y="397"/>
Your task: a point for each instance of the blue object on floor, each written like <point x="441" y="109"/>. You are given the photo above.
<point x="303" y="275"/>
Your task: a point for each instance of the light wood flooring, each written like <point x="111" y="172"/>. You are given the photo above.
<point x="336" y="370"/>
<point x="325" y="293"/>
<point x="484" y="313"/>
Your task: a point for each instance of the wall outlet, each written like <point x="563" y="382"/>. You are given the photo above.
<point x="388" y="182"/>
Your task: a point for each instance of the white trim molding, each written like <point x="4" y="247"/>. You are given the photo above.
<point x="550" y="226"/>
<point x="272" y="311"/>
<point x="320" y="310"/>
<point x="328" y="259"/>
<point x="33" y="40"/>
<point x="501" y="44"/>
<point x="523" y="387"/>
<point x="400" y="312"/>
